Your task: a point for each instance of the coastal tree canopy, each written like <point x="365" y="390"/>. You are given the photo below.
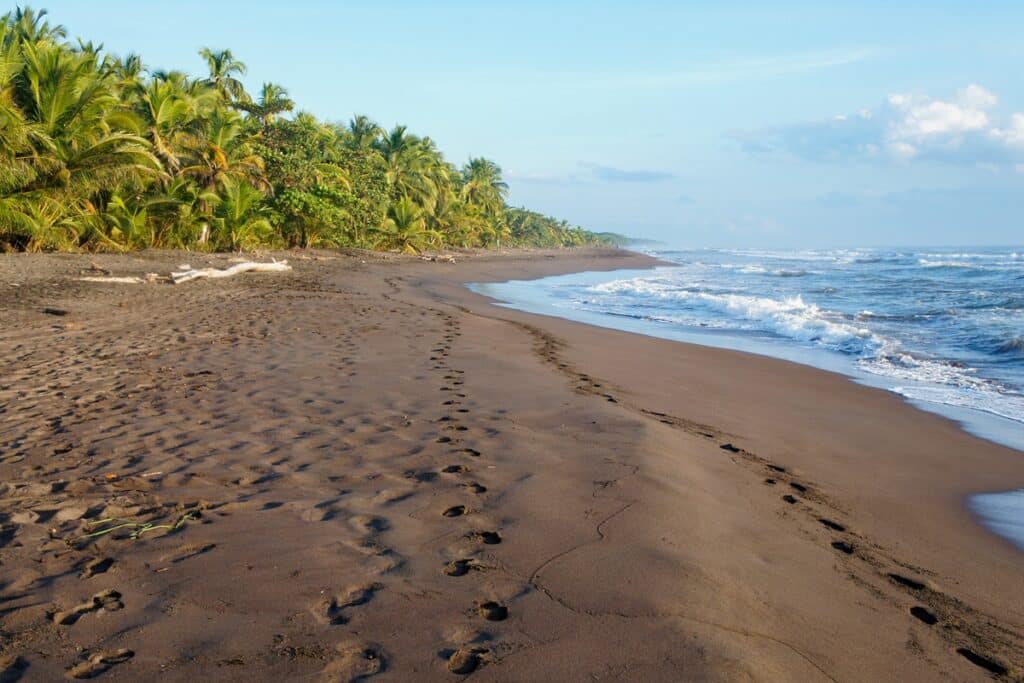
<point x="99" y="152"/>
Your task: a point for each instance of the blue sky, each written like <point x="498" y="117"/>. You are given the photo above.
<point x="702" y="124"/>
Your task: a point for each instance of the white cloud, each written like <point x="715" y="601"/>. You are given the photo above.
<point x="964" y="129"/>
<point x="903" y="150"/>
<point x="977" y="97"/>
<point x="921" y="117"/>
<point x="1014" y="134"/>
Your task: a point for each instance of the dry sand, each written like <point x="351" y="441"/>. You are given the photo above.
<point x="361" y="470"/>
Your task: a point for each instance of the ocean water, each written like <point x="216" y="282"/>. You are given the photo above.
<point x="942" y="327"/>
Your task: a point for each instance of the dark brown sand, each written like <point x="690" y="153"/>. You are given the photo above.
<point x="361" y="470"/>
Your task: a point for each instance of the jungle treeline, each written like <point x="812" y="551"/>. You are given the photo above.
<point x="99" y="152"/>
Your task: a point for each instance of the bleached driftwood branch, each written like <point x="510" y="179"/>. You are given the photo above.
<point x="190" y="273"/>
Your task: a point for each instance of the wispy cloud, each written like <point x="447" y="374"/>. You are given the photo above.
<point x="728" y="69"/>
<point x="720" y="71"/>
<point x="610" y="174"/>
<point x="589" y="173"/>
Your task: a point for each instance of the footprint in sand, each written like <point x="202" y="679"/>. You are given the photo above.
<point x="455" y="469"/>
<point x="108" y="600"/>
<point x="843" y="547"/>
<point x="382" y="560"/>
<point x="789" y="499"/>
<point x="924" y="615"/>
<point x="456" y="511"/>
<point x="465" y="660"/>
<point x="368" y="524"/>
<point x="474" y="487"/>
<point x="835" y="526"/>
<point x="95" y="566"/>
<point x="462" y="567"/>
<point x="12" y="667"/>
<point x="355" y="662"/>
<point x="99" y="662"/>
<point x="985" y="663"/>
<point x="492" y="611"/>
<point x="907" y="582"/>
<point x="485" y="537"/>
<point x="333" y="611"/>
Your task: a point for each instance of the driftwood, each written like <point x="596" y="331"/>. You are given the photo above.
<point x="189" y="273"/>
<point x="440" y="258"/>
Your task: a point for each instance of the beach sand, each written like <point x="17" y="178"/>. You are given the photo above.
<point x="361" y="470"/>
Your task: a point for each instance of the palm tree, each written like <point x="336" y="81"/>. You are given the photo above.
<point x="362" y="132"/>
<point x="273" y="101"/>
<point x="482" y="185"/>
<point x="406" y="229"/>
<point x="28" y="26"/>
<point x="240" y="219"/>
<point x="408" y="166"/>
<point x="223" y="66"/>
<point x="127" y="70"/>
<point x="223" y="156"/>
<point x="81" y="141"/>
<point x="166" y="112"/>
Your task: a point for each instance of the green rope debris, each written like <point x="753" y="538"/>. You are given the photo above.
<point x="138" y="528"/>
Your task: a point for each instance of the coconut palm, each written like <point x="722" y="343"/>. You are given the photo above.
<point x="29" y="26"/>
<point x="89" y="140"/>
<point x="405" y="229"/>
<point x="167" y="112"/>
<point x="128" y="71"/>
<point x="408" y="166"/>
<point x="482" y="185"/>
<point x="272" y="102"/>
<point x="82" y="142"/>
<point x="223" y="67"/>
<point x="362" y="132"/>
<point x="222" y="155"/>
<point x="240" y="220"/>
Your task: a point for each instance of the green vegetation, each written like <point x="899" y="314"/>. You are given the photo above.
<point x="99" y="153"/>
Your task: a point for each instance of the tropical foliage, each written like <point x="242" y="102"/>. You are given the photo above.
<point x="98" y="152"/>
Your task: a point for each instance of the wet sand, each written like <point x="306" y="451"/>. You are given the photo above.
<point x="361" y="470"/>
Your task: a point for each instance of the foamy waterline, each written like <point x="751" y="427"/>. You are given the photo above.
<point x="792" y="318"/>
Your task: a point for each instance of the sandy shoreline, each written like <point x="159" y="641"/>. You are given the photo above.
<point x="369" y="470"/>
